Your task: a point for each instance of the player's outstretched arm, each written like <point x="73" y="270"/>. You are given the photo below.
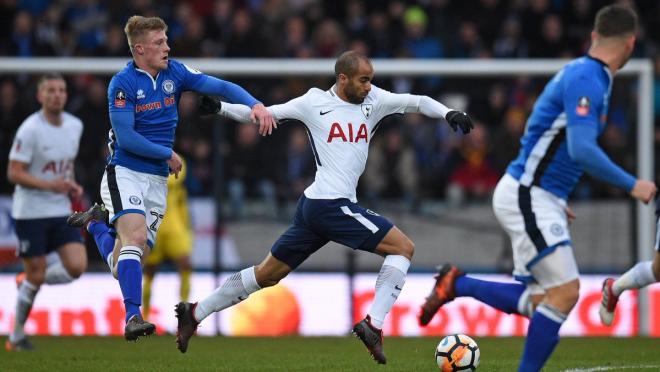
<point x="434" y="109"/>
<point x="211" y="105"/>
<point x="236" y="94"/>
<point x="583" y="148"/>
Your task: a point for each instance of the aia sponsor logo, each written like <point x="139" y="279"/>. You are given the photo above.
<point x="349" y="133"/>
<point x="59" y="167"/>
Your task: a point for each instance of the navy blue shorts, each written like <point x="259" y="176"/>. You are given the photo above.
<point x="318" y="221"/>
<point x="40" y="236"/>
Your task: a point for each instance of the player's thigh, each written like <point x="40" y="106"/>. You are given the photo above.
<point x="295" y="245"/>
<point x="74" y="258"/>
<point x="131" y="228"/>
<point x="123" y="191"/>
<point x="556" y="268"/>
<point x="347" y="223"/>
<point x="32" y="237"/>
<point x="395" y="242"/>
<point x="155" y="205"/>
<point x="67" y="241"/>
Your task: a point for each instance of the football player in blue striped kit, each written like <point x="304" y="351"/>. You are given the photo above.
<point x="560" y="142"/>
<point x="143" y="100"/>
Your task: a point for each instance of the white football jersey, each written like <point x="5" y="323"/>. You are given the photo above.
<point x="340" y="133"/>
<point x="50" y="152"/>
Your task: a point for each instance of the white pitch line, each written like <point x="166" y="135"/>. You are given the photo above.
<point x="608" y="368"/>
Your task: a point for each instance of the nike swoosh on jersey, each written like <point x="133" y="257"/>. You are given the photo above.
<point x="397" y="287"/>
<point x="323" y="113"/>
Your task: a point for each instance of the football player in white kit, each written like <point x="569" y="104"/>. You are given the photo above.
<point x="41" y="166"/>
<point x="340" y="122"/>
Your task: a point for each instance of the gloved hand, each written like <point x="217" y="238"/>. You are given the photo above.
<point x="459" y="119"/>
<point x="208" y="105"/>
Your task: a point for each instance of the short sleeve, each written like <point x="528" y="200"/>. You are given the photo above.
<point x="120" y="95"/>
<point x="583" y="99"/>
<point x="22" y="148"/>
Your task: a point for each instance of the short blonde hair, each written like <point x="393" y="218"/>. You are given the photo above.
<point x="137" y="26"/>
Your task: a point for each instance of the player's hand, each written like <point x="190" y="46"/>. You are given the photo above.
<point x="59" y="185"/>
<point x="76" y="191"/>
<point x="208" y="105"/>
<point x="175" y="164"/>
<point x="644" y="191"/>
<point x="459" y="119"/>
<point x="570" y="215"/>
<point x="265" y="119"/>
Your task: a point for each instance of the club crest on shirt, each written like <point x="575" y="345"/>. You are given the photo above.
<point x="556" y="229"/>
<point x="120" y="99"/>
<point x="168" y="86"/>
<point x="366" y="109"/>
<point x="582" y="108"/>
<point x="140" y="94"/>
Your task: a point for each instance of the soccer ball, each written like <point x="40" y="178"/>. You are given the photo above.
<point x="457" y="353"/>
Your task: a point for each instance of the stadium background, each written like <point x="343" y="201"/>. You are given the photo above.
<point x="434" y="184"/>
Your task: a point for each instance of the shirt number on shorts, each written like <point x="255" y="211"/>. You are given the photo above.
<point x="158" y="218"/>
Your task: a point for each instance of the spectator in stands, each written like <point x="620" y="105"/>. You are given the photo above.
<point x="510" y="43"/>
<point x="391" y="172"/>
<point x="249" y="172"/>
<point x="328" y="39"/>
<point x="12" y="114"/>
<point x="300" y="165"/>
<point x="552" y="42"/>
<point x="88" y="19"/>
<point x="473" y="176"/>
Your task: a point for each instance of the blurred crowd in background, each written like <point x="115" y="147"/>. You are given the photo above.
<point x="412" y="159"/>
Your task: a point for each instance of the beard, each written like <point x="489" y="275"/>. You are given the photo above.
<point x="353" y="97"/>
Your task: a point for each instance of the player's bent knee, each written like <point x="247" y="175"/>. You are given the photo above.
<point x="77" y="270"/>
<point x="565" y="296"/>
<point x="36" y="277"/>
<point x="408" y="249"/>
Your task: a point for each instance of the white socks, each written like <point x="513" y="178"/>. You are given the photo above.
<point x="56" y="274"/>
<point x="389" y="283"/>
<point x="26" y="294"/>
<point x="234" y="290"/>
<point x="638" y="276"/>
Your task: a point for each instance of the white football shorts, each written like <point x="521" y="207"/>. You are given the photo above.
<point x="536" y="222"/>
<point x="127" y="191"/>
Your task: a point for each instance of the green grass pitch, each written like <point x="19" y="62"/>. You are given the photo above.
<point x="315" y="354"/>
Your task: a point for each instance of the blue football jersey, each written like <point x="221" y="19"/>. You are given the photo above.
<point x="154" y="102"/>
<point x="577" y="95"/>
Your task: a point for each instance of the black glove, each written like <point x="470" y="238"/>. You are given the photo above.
<point x="459" y="119"/>
<point x="208" y="105"/>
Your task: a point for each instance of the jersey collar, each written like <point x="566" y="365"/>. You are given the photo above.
<point x="153" y="80"/>
<point x="598" y="60"/>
